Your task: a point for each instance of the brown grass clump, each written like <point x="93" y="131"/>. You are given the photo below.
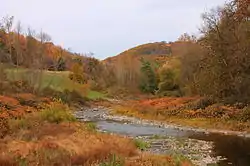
<point x="16" y="106"/>
<point x="8" y="102"/>
<point x="25" y="96"/>
<point x="4" y="127"/>
<point x="6" y="160"/>
<point x="166" y="102"/>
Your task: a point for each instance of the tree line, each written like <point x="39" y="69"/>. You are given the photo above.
<point x="217" y="64"/>
<point x="26" y="48"/>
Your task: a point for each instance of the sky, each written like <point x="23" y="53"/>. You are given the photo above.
<point x="109" y="27"/>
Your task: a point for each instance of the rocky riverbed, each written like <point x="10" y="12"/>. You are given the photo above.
<point x="196" y="144"/>
<point x="198" y="151"/>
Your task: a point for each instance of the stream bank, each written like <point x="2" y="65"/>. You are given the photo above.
<point x="200" y="146"/>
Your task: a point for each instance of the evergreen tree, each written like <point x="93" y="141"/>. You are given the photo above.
<point x="61" y="65"/>
<point x="148" y="80"/>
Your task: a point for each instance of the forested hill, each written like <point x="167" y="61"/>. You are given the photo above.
<point x="23" y="49"/>
<point x="152" y="51"/>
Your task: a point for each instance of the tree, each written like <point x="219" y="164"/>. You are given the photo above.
<point x="127" y="71"/>
<point x="31" y="52"/>
<point x="19" y="43"/>
<point x="190" y="65"/>
<point x="77" y="74"/>
<point x="6" y="26"/>
<point x="187" y="38"/>
<point x="169" y="79"/>
<point x="224" y="70"/>
<point x="43" y="38"/>
<point x="61" y="65"/>
<point x="148" y="80"/>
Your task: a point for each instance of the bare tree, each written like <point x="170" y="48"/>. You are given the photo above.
<point x="7" y="25"/>
<point x="40" y="60"/>
<point x="18" y="44"/>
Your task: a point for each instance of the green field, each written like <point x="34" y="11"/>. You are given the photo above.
<point x="55" y="80"/>
<point x="93" y="95"/>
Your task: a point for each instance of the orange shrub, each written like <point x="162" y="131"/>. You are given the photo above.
<point x="8" y="102"/>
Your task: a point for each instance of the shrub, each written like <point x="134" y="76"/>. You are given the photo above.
<point x="91" y="126"/>
<point x="181" y="160"/>
<point x="114" y="161"/>
<point x="174" y="93"/>
<point x="21" y="86"/>
<point x="244" y="115"/>
<point x="77" y="74"/>
<point x="50" y="155"/>
<point x="27" y="99"/>
<point x="142" y="145"/>
<point x="27" y="122"/>
<point x="6" y="160"/>
<point x="22" y="123"/>
<point x="168" y="85"/>
<point x="8" y="102"/>
<point x="79" y="78"/>
<point x="200" y="104"/>
<point x="4" y="127"/>
<point x="66" y="96"/>
<point x="71" y="96"/>
<point x="57" y="113"/>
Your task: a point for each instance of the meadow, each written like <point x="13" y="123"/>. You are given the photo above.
<point x="56" y="80"/>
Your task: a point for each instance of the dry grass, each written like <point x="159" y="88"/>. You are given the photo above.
<point x="60" y="144"/>
<point x="79" y="148"/>
<point x="42" y="143"/>
<point x="8" y="101"/>
<point x="156" y="160"/>
<point x="6" y="160"/>
<point x="33" y="140"/>
<point x="17" y="105"/>
<point x="166" y="103"/>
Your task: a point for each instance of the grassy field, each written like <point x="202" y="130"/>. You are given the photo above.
<point x="58" y="81"/>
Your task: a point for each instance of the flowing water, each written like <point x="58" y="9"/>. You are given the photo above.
<point x="209" y="147"/>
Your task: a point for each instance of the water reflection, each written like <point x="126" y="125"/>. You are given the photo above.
<point x="235" y="149"/>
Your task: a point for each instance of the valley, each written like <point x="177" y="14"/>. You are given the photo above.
<point x="160" y="103"/>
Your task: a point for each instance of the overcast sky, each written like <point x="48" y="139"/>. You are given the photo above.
<point x="108" y="27"/>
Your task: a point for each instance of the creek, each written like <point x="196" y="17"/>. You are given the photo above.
<point x="200" y="146"/>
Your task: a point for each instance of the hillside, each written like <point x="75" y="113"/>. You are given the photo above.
<point x="18" y="48"/>
<point x="159" y="56"/>
<point x="28" y="51"/>
<point x="158" y="51"/>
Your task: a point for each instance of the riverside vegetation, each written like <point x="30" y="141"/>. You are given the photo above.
<point x="195" y="81"/>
